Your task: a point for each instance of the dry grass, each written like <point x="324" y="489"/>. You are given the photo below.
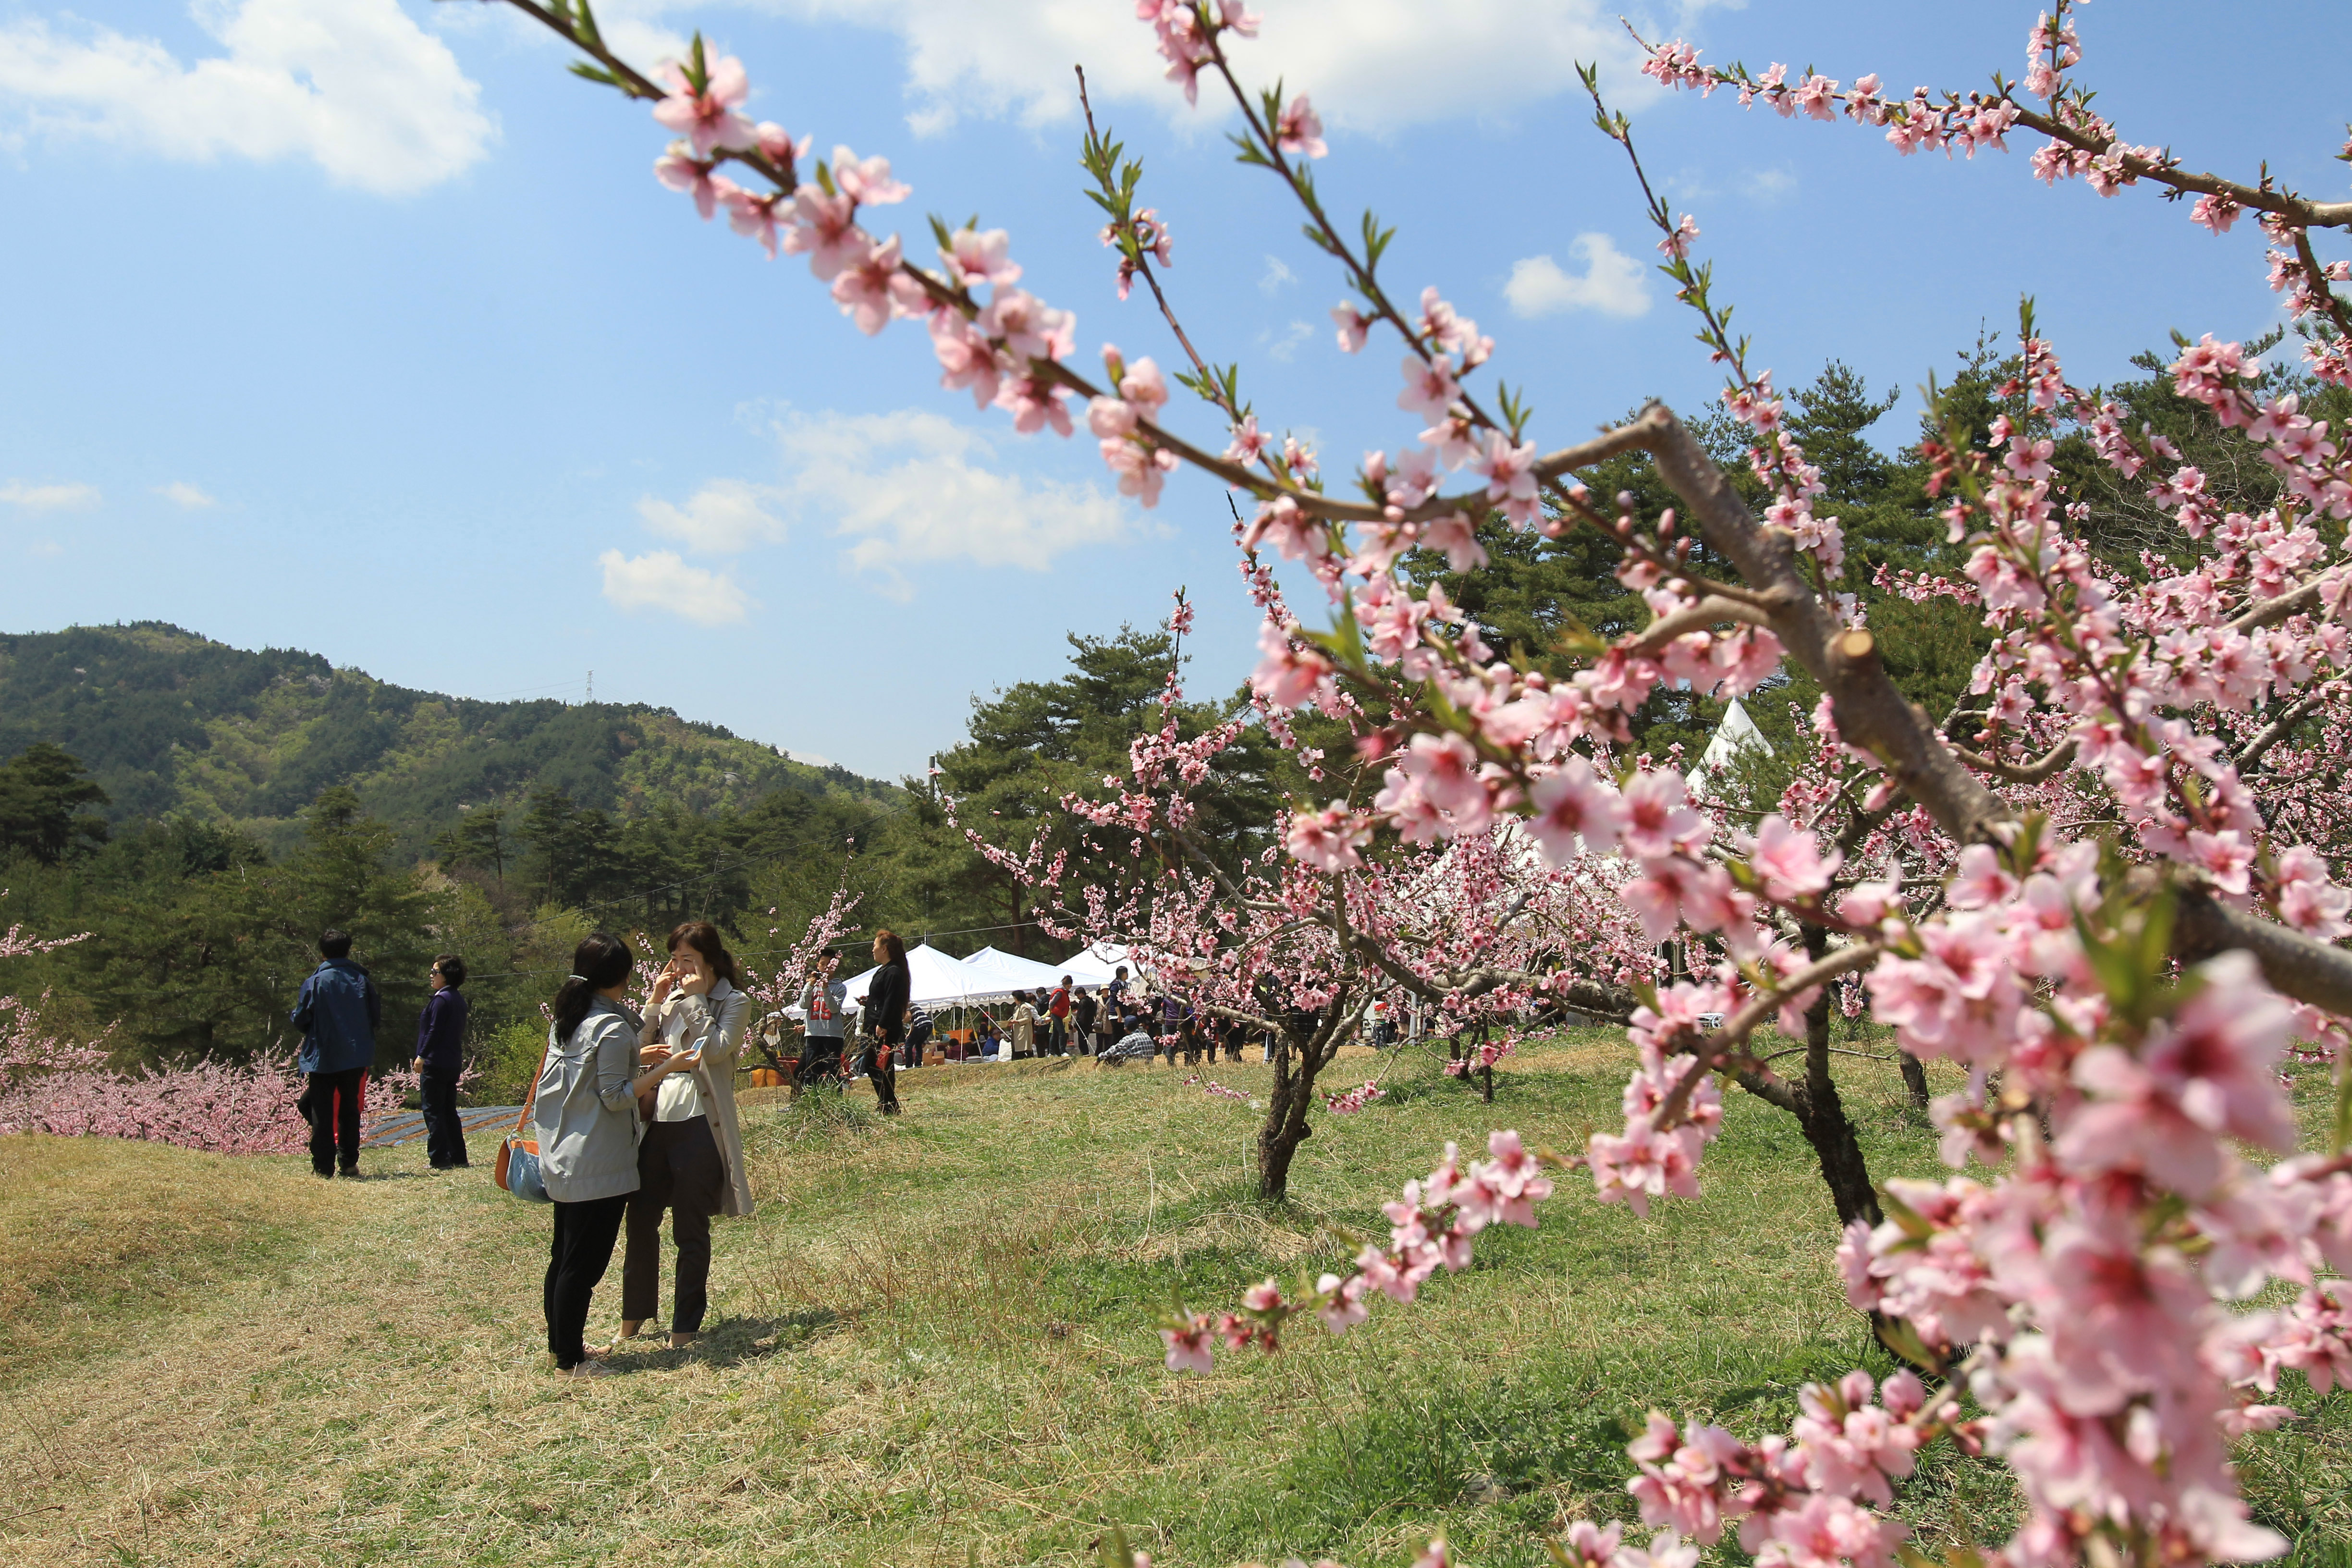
<point x="97" y="1244"/>
<point x="932" y="1346"/>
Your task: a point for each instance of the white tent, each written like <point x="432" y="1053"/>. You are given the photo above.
<point x="995" y="975"/>
<point x="934" y="978"/>
<point x="1736" y="733"/>
<point x="1094" y="966"/>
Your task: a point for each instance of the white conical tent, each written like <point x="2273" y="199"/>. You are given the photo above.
<point x="995" y="975"/>
<point x="1736" y="733"/>
<point x="934" y="979"/>
<point x="1096" y="965"/>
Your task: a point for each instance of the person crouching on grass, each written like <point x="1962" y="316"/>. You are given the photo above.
<point x="584" y="1110"/>
<point x="690" y="1161"/>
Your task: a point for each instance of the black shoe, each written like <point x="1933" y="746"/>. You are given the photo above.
<point x="351" y="1172"/>
<point x="324" y="1173"/>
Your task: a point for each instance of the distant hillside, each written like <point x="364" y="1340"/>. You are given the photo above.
<point x="168" y="720"/>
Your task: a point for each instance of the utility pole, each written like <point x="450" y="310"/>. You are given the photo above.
<point x="592" y="688"/>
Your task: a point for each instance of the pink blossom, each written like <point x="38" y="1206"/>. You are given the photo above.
<point x="824" y="228"/>
<point x="1574" y="813"/>
<point x="1429" y="387"/>
<point x="865" y="181"/>
<point x="874" y="289"/>
<point x="758" y="217"/>
<point x="709" y="119"/>
<point x="1329" y="839"/>
<point x="976" y="257"/>
<point x="1028" y="328"/>
<point x="1288" y="675"/>
<point x="1677" y="243"/>
<point x="1657" y="823"/>
<point x="1300" y="130"/>
<point x="1455" y="534"/>
<point x="1189" y="1348"/>
<point x="1789" y="861"/>
<point x="1353" y="327"/>
<point x="1034" y="403"/>
<point x="681" y="172"/>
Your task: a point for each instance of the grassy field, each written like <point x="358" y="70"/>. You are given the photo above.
<point x="932" y="1344"/>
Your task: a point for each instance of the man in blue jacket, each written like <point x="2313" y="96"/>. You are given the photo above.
<point x="440" y="1057"/>
<point x="338" y="1012"/>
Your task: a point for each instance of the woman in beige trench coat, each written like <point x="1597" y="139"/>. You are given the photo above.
<point x="691" y="1160"/>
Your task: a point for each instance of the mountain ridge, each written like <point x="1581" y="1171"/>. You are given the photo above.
<point x="170" y="721"/>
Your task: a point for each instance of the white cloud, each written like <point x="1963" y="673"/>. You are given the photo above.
<point x="184" y="494"/>
<point x="50" y="498"/>
<point x="725" y="516"/>
<point x="658" y="580"/>
<point x="1286" y="347"/>
<point x="355" y="86"/>
<point x="45" y="549"/>
<point x="1277" y="273"/>
<point x="903" y="490"/>
<point x="1612" y="282"/>
<point x="1370" y="65"/>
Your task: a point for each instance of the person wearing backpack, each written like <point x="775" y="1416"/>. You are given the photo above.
<point x="339" y="1012"/>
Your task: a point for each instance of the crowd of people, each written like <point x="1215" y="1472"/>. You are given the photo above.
<point x="1115" y="1022"/>
<point x="633" y="1111"/>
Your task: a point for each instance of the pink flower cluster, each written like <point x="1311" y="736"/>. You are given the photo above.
<point x="1430" y="1227"/>
<point x="1349" y="1101"/>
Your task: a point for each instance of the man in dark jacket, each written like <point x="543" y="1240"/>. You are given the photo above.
<point x="440" y="1047"/>
<point x="338" y="1012"/>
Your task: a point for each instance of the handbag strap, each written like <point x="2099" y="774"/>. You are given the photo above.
<point x="531" y="1098"/>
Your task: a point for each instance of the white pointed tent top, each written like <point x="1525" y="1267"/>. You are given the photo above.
<point x="1097" y="965"/>
<point x="934" y="979"/>
<point x="995" y="975"/>
<point x="1736" y="733"/>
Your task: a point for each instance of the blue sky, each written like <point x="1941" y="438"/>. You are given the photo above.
<point x="360" y="326"/>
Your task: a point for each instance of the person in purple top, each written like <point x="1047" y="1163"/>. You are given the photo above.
<point x="440" y="1057"/>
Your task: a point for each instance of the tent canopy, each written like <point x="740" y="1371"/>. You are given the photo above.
<point x="995" y="975"/>
<point x="1093" y="966"/>
<point x="934" y="979"/>
<point x="1736" y="733"/>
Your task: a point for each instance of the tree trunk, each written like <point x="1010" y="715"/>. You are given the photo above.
<point x="1298" y="1057"/>
<point x="1487" y="1075"/>
<point x="1822" y="1114"/>
<point x="1816" y="1105"/>
<point x="1914" y="1078"/>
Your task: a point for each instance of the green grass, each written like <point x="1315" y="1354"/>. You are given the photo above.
<point x="933" y="1345"/>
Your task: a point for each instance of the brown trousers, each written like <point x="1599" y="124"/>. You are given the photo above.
<point x="678" y="1169"/>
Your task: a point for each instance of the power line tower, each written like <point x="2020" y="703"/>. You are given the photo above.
<point x="592" y="688"/>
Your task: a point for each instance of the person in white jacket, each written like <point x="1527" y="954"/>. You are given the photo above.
<point x="690" y="1162"/>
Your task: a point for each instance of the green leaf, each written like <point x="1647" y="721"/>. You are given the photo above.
<point x="594" y="73"/>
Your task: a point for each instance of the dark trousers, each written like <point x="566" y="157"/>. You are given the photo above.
<point x="885" y="1074"/>
<point x="444" y="1135"/>
<point x="582" y="1250"/>
<point x="334" y="1100"/>
<point x="678" y="1169"/>
<point x="820" y="1059"/>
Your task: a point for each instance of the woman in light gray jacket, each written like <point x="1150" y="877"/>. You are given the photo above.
<point x="690" y="1160"/>
<point x="584" y="1110"/>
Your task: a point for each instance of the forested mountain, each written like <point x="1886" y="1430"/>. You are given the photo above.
<point x="168" y="723"/>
